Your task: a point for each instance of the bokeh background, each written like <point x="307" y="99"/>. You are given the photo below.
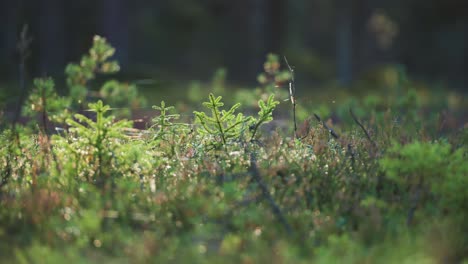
<point x="337" y="41"/>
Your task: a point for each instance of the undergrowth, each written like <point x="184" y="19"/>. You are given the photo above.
<point x="378" y="181"/>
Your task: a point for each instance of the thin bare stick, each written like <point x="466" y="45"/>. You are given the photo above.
<point x="332" y="132"/>
<point x="292" y="94"/>
<point x="23" y="46"/>
<point x="362" y="127"/>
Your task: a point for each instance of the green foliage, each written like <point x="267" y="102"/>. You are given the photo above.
<point x="96" y="61"/>
<point x="122" y="96"/>
<point x="164" y="122"/>
<point x="222" y="125"/>
<point x="453" y="187"/>
<point x="93" y="144"/>
<point x="431" y="170"/>
<point x="100" y="190"/>
<point x="411" y="162"/>
<point x="46" y="103"/>
<point x="273" y="77"/>
<point x="265" y="114"/>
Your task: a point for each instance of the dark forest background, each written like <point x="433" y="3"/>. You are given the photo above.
<point x="187" y="39"/>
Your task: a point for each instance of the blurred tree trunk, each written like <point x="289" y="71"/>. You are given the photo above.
<point x="115" y="27"/>
<point x="266" y="30"/>
<point x="344" y="41"/>
<point x="277" y="23"/>
<point x="364" y="42"/>
<point x="296" y="18"/>
<point x="257" y="30"/>
<point x="465" y="66"/>
<point x="8" y="34"/>
<point x="51" y="37"/>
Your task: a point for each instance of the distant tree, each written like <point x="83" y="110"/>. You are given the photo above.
<point x="375" y="32"/>
<point x="263" y="24"/>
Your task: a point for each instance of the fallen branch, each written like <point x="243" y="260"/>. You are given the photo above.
<point x="266" y="193"/>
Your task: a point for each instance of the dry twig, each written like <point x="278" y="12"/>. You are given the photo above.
<point x="266" y="194"/>
<point x="332" y="132"/>
<point x="362" y="127"/>
<point x="292" y="95"/>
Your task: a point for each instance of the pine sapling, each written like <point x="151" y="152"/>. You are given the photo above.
<point x="265" y="114"/>
<point x="222" y="124"/>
